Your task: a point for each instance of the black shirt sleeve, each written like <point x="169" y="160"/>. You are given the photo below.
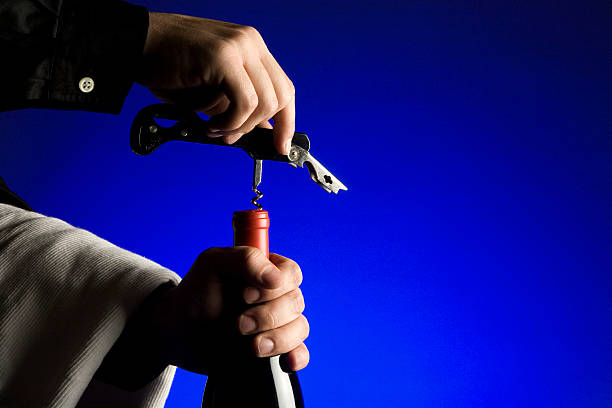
<point x="8" y="197"/>
<point x="79" y="54"/>
<point x="69" y="54"/>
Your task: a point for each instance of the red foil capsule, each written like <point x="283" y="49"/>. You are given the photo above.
<point x="251" y="229"/>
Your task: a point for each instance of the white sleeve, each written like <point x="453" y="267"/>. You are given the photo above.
<point x="65" y="297"/>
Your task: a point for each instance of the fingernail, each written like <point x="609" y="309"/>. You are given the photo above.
<point x="287" y="147"/>
<point x="247" y="324"/>
<point x="251" y="295"/>
<point x="266" y="346"/>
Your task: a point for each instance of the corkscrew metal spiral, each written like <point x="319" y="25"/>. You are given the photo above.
<point x="256" y="198"/>
<point x="256" y="181"/>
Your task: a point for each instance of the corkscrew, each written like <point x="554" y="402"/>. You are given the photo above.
<point x="256" y="181"/>
<point x="146" y="135"/>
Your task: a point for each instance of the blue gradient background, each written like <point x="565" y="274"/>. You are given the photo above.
<point x="469" y="263"/>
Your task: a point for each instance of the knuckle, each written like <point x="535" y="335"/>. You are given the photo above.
<point x="210" y="252"/>
<point x="251" y="100"/>
<point x="305" y="327"/>
<point x="291" y="88"/>
<point x="226" y="50"/>
<point x="246" y="251"/>
<point x="270" y="319"/>
<point x="267" y="109"/>
<point x="249" y="31"/>
<point x="298" y="301"/>
<point x="206" y="252"/>
<point x="250" y="256"/>
<point x="271" y="106"/>
<point x="283" y="101"/>
<point x="305" y="356"/>
<point x="256" y="341"/>
<point x="296" y="272"/>
<point x="255" y="262"/>
<point x="287" y="95"/>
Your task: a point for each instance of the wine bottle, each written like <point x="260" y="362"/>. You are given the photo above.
<point x="258" y="382"/>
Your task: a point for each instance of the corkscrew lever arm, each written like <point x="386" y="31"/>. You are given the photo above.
<point x="299" y="156"/>
<point x="147" y="134"/>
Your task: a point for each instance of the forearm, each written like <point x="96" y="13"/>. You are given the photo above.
<point x="48" y="51"/>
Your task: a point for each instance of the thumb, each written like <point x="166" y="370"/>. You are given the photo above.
<point x="241" y="266"/>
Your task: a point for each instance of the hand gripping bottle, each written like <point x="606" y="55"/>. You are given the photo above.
<point x="256" y="382"/>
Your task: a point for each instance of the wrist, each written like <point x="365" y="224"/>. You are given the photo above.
<point x="153" y="58"/>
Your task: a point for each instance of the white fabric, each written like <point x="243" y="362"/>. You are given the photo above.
<point x="65" y="297"/>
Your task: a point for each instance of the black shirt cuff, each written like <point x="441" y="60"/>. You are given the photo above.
<point x="70" y="54"/>
<point x="98" y="50"/>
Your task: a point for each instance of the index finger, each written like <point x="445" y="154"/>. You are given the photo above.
<point x="284" y="127"/>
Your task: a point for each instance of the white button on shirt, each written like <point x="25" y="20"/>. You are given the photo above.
<point x="86" y="84"/>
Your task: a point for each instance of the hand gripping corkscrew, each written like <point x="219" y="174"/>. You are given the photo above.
<point x="146" y="135"/>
